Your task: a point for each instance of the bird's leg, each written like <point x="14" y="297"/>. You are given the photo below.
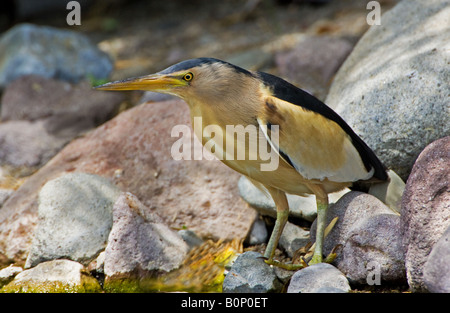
<point x="276" y="233"/>
<point x="280" y="200"/>
<point x="322" y="207"/>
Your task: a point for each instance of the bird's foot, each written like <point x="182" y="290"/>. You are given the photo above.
<point x="316" y="259"/>
<point x="300" y="262"/>
<point x="286" y="266"/>
<point x="331" y="257"/>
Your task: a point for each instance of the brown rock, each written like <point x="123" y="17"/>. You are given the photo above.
<point x="27" y="144"/>
<point x="425" y="208"/>
<point x="313" y="62"/>
<point x="62" y="105"/>
<point x="133" y="151"/>
<point x="436" y="272"/>
<point x="41" y="115"/>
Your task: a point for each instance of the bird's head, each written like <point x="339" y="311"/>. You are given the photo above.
<point x="202" y="79"/>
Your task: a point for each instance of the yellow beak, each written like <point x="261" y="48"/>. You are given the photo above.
<point x="154" y="82"/>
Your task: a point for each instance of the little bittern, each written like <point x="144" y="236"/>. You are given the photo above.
<point x="318" y="152"/>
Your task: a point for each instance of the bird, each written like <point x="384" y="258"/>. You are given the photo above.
<point x="317" y="151"/>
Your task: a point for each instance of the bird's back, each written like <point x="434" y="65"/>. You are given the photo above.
<point x="287" y="92"/>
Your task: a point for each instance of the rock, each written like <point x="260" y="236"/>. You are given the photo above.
<point x="374" y="242"/>
<point x="75" y="218"/>
<point x="64" y="106"/>
<point x="254" y="59"/>
<point x="8" y="273"/>
<point x="54" y="276"/>
<point x="258" y="234"/>
<point x="368" y="232"/>
<point x="300" y="207"/>
<point x="50" y="52"/>
<point x="313" y="62"/>
<point x="190" y="238"/>
<point x="133" y="151"/>
<point x="329" y="290"/>
<point x="41" y="115"/>
<point x="27" y="144"/>
<point x="139" y="246"/>
<point x="98" y="265"/>
<point x="425" y="208"/>
<point x="376" y="86"/>
<point x="283" y="275"/>
<point x="251" y="274"/>
<point x="436" y="272"/>
<point x="316" y="277"/>
<point x="390" y="193"/>
<point x="4" y="195"/>
<point x="150" y="96"/>
<point x="293" y="238"/>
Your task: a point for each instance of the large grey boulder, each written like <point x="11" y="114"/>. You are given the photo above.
<point x="50" y="52"/>
<point x="75" y="218"/>
<point x="393" y="88"/>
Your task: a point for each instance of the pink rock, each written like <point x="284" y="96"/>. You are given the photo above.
<point x="425" y="208"/>
<point x="137" y="244"/>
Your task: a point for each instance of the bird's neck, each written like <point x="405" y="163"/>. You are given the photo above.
<point x="238" y="107"/>
<point x="219" y="114"/>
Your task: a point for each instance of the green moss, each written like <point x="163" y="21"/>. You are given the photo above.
<point x="122" y="285"/>
<point x="88" y="285"/>
<point x="94" y="81"/>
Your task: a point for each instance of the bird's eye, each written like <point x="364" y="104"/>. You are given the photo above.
<point x="188" y="77"/>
